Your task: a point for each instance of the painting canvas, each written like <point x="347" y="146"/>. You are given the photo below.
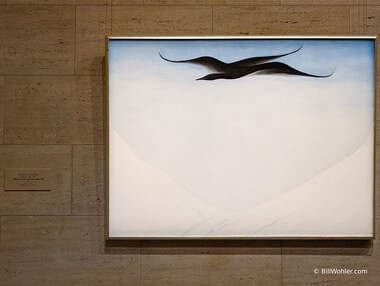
<point x="241" y="137"/>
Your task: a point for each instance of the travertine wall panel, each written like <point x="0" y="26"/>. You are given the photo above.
<point x="275" y="20"/>
<point x="358" y="20"/>
<point x="54" y="202"/>
<point x="63" y="270"/>
<point x="211" y="263"/>
<point x="61" y="250"/>
<point x="59" y="2"/>
<point x="2" y="95"/>
<point x="372" y="25"/>
<point x="161" y="20"/>
<point x="93" y="23"/>
<point x="209" y="270"/>
<point x="321" y="2"/>
<point x="88" y="194"/>
<point x="54" y="110"/>
<point x="52" y="234"/>
<point x="51" y="115"/>
<point x="127" y="2"/>
<point x="302" y="270"/>
<point x="212" y="2"/>
<point x="37" y="39"/>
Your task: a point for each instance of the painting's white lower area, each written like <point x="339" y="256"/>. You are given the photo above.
<point x="145" y="202"/>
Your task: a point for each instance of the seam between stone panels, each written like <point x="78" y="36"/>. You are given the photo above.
<point x="141" y="244"/>
<point x="350" y="21"/>
<point x="1" y="231"/>
<point x="72" y="179"/>
<point x="232" y="5"/>
<point x="48" y="144"/>
<point x="75" y="40"/>
<point x="188" y="5"/>
<point x="365" y="13"/>
<point x="212" y="20"/>
<point x="43" y="215"/>
<point x="47" y="74"/>
<point x="62" y="5"/>
<point x="281" y="272"/>
<point x="4" y="100"/>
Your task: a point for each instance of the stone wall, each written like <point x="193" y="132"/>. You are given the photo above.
<point x="51" y="115"/>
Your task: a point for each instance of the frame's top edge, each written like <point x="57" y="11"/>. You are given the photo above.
<point x="239" y="37"/>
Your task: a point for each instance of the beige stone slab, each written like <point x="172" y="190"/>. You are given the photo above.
<point x="161" y="20"/>
<point x="74" y="269"/>
<point x="376" y="242"/>
<point x="321" y="2"/>
<point x="54" y="110"/>
<point x="122" y="247"/>
<point x="210" y="270"/>
<point x="327" y="247"/>
<point x="88" y="187"/>
<point x="58" y="2"/>
<point x="2" y="102"/>
<point x="127" y="2"/>
<point x="299" y="270"/>
<point x="212" y="2"/>
<point x="285" y="20"/>
<point x="371" y="22"/>
<point x="213" y="247"/>
<point x="61" y="250"/>
<point x="46" y="235"/>
<point x="37" y="39"/>
<point x="92" y="26"/>
<point x="358" y="20"/>
<point x="377" y="110"/>
<point x="58" y="200"/>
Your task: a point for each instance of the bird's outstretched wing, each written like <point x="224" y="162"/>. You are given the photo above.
<point x="280" y="68"/>
<point x="259" y="60"/>
<point x="208" y="62"/>
<point x="266" y="69"/>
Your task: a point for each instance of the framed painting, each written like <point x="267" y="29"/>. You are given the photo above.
<point x="240" y="138"/>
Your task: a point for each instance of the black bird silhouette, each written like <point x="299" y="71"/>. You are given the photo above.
<point x="254" y="65"/>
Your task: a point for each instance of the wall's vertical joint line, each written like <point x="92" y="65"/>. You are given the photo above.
<point x="363" y="18"/>
<point x="212" y="19"/>
<point x="111" y="19"/>
<point x="360" y="18"/>
<point x="366" y="16"/>
<point x="350" y="21"/>
<point x="4" y="101"/>
<point x="72" y="179"/>
<point x="357" y="16"/>
<point x="140" y="263"/>
<point x="281" y="272"/>
<point x="75" y="39"/>
<point x="1" y="231"/>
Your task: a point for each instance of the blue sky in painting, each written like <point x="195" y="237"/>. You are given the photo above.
<point x="348" y="58"/>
